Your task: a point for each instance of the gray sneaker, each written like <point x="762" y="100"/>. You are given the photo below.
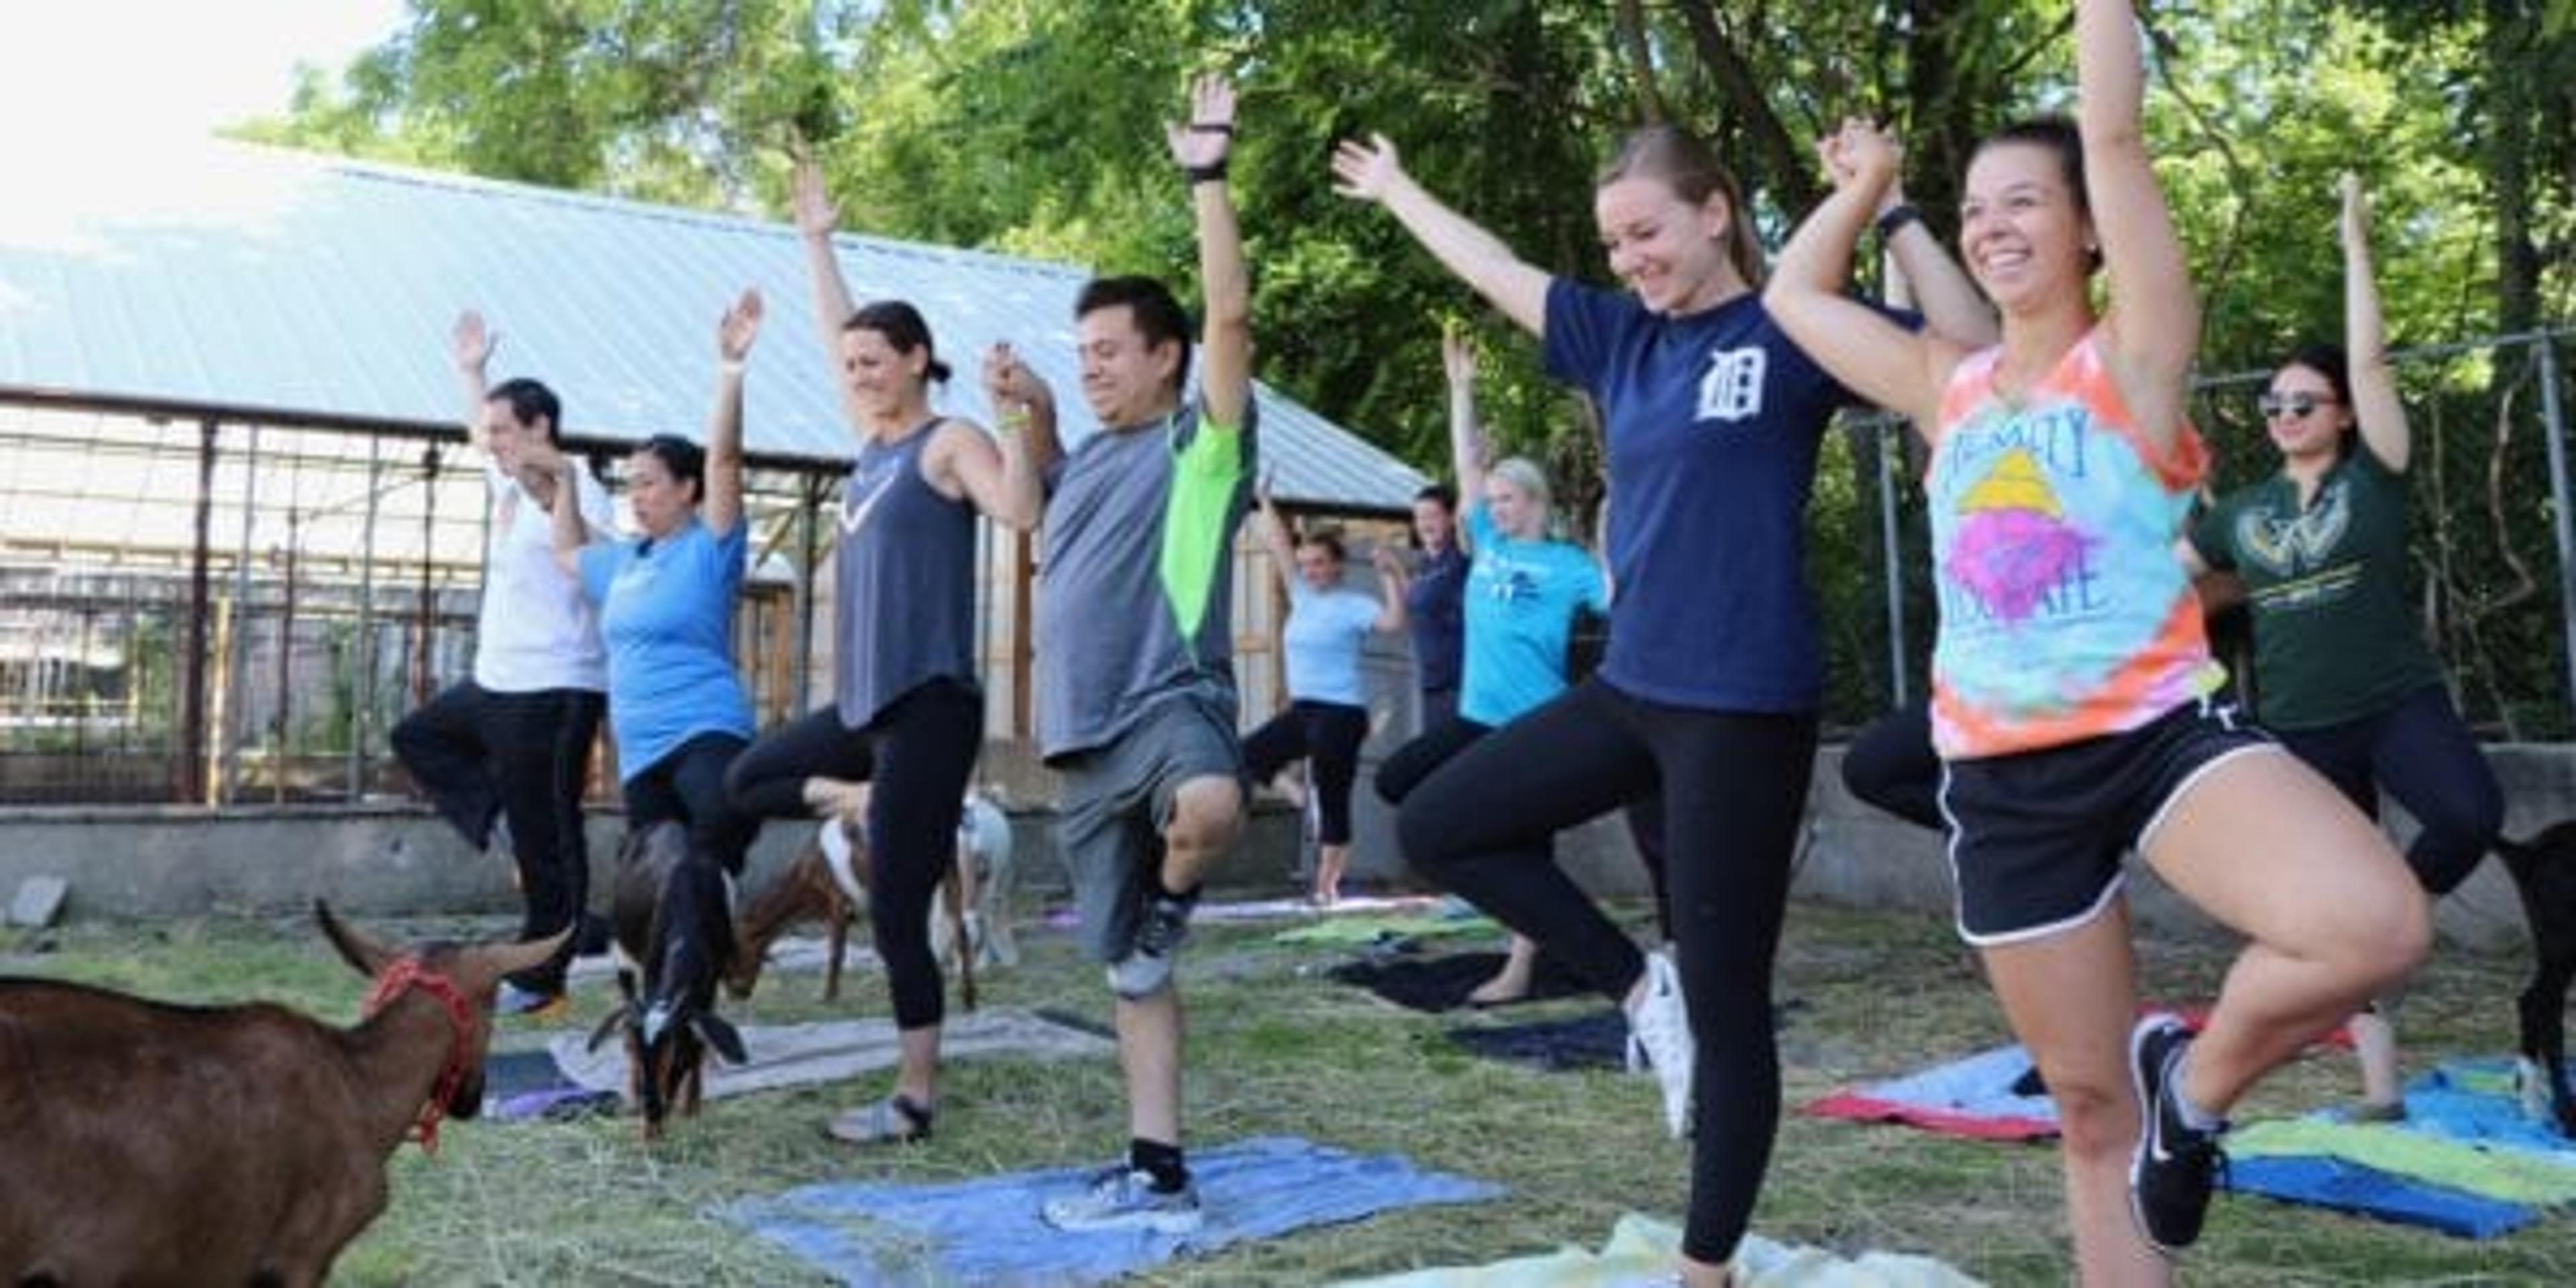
<point x="1124" y="1198"/>
<point x="1147" y="967"/>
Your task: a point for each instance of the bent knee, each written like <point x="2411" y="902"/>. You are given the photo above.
<point x="1207" y="814"/>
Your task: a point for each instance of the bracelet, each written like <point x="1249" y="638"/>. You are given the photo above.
<point x="729" y="366"/>
<point x="1013" y="420"/>
<point x="1213" y="172"/>
<point x="1225" y="128"/>
<point x="1893" y="220"/>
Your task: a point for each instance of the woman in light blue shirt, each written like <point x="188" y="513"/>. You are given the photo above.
<point x="1326" y="719"/>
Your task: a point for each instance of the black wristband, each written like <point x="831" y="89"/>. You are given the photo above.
<point x="1212" y="127"/>
<point x="1893" y="220"/>
<point x="1213" y="172"/>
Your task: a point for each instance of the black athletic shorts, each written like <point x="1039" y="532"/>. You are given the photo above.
<point x="2037" y="837"/>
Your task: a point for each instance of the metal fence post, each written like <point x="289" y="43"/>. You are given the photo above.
<point x="2553" y="425"/>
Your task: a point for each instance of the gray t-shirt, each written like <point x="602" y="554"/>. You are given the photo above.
<point x="1136" y="576"/>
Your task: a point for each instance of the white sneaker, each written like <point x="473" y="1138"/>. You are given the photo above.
<point x="1660" y="1027"/>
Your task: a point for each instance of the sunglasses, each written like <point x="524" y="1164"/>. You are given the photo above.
<point x="2296" y="406"/>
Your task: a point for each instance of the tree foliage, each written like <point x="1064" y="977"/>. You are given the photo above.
<point x="1034" y="126"/>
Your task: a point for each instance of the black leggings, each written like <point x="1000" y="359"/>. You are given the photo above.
<point x="482" y="755"/>
<point x="1439" y="744"/>
<point x="1890" y="764"/>
<point x="686" y="786"/>
<point x="1733" y="788"/>
<point x="918" y="753"/>
<point x="1328" y="736"/>
<point x="2425" y="756"/>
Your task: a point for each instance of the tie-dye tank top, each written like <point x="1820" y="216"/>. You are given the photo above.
<point x="2064" y="613"/>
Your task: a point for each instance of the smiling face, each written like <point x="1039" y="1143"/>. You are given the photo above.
<point x="662" y="501"/>
<point x="886" y="382"/>
<point x="2301" y="412"/>
<point x="1126" y="379"/>
<point x="2021" y="233"/>
<point x="1520" y="515"/>
<point x="1318" y="566"/>
<point x="504" y="434"/>
<point x="1670" y="251"/>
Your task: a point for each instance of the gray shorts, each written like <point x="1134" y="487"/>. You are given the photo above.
<point x="1118" y="796"/>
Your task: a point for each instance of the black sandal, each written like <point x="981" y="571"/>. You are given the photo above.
<point x="895" y="1119"/>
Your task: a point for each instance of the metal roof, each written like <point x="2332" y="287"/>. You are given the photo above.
<point x="315" y="290"/>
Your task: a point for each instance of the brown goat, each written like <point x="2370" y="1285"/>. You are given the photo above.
<point x="142" y="1142"/>
<point x="807" y="890"/>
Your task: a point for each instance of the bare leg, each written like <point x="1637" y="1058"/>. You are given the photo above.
<point x="1330" y="862"/>
<point x="2069" y="997"/>
<point x="1207" y="813"/>
<point x="1512" y="982"/>
<point x="2265" y="846"/>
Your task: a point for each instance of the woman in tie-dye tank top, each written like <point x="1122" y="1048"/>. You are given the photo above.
<point x="2073" y="688"/>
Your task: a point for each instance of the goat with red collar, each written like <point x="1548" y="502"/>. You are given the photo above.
<point x="154" y="1143"/>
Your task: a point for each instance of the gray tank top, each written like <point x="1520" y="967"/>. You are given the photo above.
<point x="906" y="577"/>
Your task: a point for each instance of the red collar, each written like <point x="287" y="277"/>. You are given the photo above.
<point x="408" y="974"/>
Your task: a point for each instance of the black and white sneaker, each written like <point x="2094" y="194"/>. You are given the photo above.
<point x="1147" y="967"/>
<point x="2176" y="1165"/>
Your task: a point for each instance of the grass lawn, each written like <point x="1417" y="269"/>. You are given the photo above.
<point x="1277" y="1049"/>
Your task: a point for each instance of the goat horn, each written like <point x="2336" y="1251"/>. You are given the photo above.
<point x="510" y="959"/>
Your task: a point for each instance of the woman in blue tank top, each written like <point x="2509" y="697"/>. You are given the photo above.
<point x="887" y="760"/>
<point x="1711" y="425"/>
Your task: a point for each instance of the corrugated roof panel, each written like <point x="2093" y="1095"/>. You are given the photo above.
<point x="245" y="277"/>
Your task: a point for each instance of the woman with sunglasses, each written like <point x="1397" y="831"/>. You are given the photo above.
<point x="2073" y="687"/>
<point x="2342" y="675"/>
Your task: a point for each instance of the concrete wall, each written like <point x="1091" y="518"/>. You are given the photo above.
<point x="378" y="860"/>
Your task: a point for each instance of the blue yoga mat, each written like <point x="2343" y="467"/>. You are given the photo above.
<point x="2367" y="1191"/>
<point x="988" y="1231"/>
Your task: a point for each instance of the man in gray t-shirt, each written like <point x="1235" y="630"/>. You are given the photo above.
<point x="1135" y="680"/>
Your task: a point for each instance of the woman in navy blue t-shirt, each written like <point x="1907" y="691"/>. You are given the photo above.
<point x="1709" y="691"/>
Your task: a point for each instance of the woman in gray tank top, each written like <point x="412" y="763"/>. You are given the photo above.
<point x="887" y="760"/>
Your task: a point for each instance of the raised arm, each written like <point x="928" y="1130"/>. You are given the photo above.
<point x="2154" y="327"/>
<point x="815" y="220"/>
<point x="1898" y="369"/>
<point x="1273" y="531"/>
<point x="1200" y="146"/>
<point x="1024" y="411"/>
<point x="722" y="506"/>
<point x="1466" y="445"/>
<point x="471" y="346"/>
<point x="2365" y="340"/>
<point x="571" y="530"/>
<point x="1950" y="303"/>
<point x="1370" y="172"/>
<point x="1391" y="583"/>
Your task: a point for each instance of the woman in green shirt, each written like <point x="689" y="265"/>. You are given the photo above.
<point x="2342" y="674"/>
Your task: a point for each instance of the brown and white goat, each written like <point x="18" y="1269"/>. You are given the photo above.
<point x="143" y="1142"/>
<point x="970" y="924"/>
<point x="672" y="916"/>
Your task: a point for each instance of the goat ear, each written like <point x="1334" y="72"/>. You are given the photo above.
<point x="720" y="1034"/>
<point x="363" y="952"/>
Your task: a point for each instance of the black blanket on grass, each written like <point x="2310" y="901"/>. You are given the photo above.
<point x="1442" y="983"/>
<point x="1595" y="1041"/>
